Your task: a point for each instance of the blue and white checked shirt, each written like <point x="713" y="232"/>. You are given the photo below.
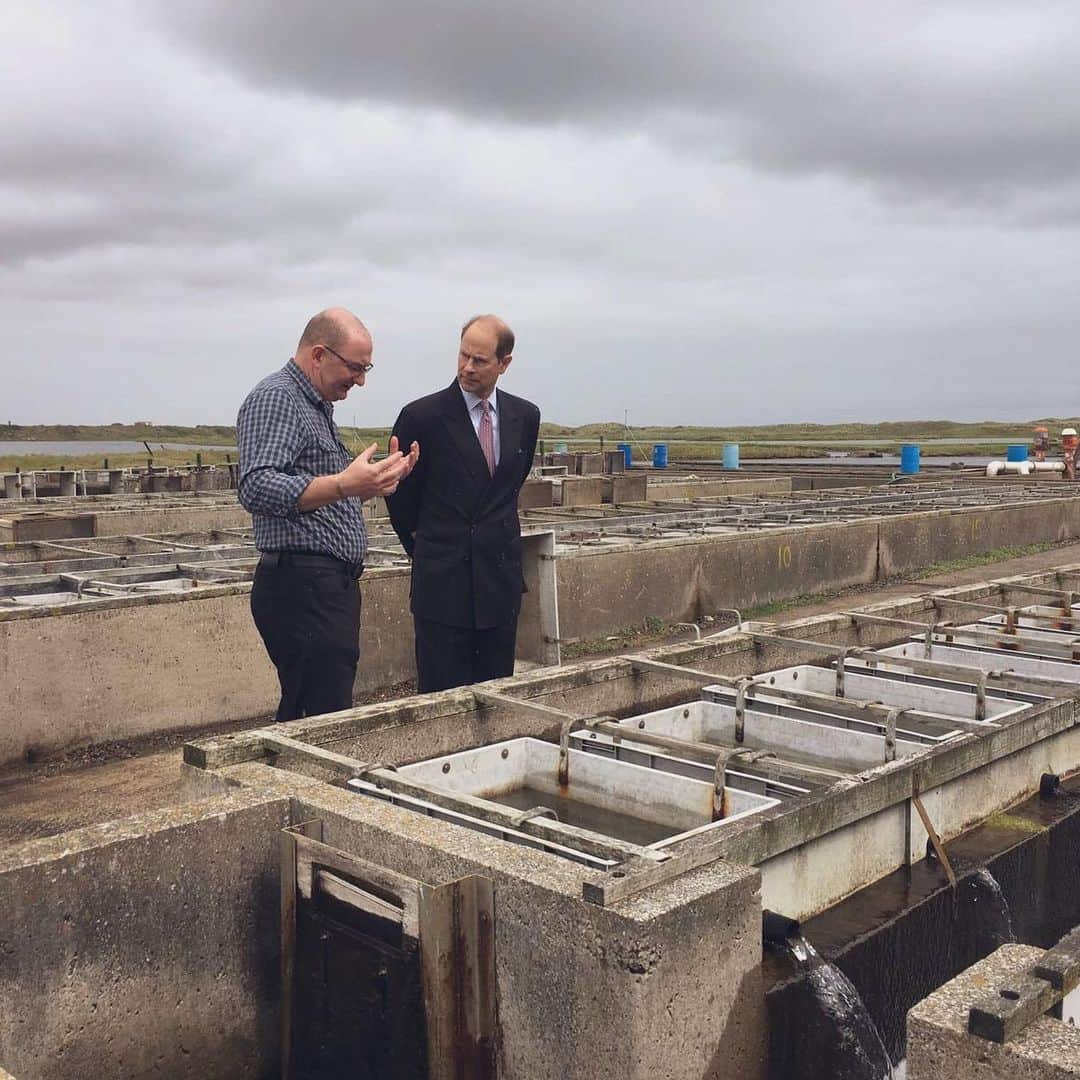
<point x="287" y="436"/>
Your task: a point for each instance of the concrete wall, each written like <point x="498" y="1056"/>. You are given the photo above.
<point x="916" y="540"/>
<point x="939" y="1044"/>
<point x="700" y="489"/>
<point x="130" y="668"/>
<point x="45" y="524"/>
<point x="121" y="668"/>
<point x="583" y="991"/>
<point x="601" y="590"/>
<point x="147" y="947"/>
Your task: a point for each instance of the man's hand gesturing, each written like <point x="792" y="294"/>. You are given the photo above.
<point x="364" y="478"/>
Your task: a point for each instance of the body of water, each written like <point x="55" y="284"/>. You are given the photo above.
<point x="885" y="459"/>
<point x="13" y="449"/>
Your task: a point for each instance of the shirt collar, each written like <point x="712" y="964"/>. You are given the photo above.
<point x="472" y="400"/>
<point x="306" y="385"/>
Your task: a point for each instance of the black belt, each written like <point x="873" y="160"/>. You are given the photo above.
<point x="310" y="558"/>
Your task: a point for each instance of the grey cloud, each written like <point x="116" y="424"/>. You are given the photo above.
<point x="698" y="220"/>
<point x="945" y="99"/>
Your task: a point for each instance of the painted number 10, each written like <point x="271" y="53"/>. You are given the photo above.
<point x="783" y="557"/>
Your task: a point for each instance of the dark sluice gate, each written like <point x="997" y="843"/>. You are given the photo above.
<point x="901" y="938"/>
<point x="359" y="1009"/>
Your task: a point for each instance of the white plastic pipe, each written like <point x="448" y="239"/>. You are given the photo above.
<point x="1022" y="468"/>
<point x="1048" y="466"/>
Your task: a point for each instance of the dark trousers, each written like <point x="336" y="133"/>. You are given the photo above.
<point x="309" y="619"/>
<point x="449" y="656"/>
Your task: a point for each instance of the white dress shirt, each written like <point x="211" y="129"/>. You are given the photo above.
<point x="472" y="403"/>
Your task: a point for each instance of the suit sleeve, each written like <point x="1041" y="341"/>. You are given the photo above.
<point x="404" y="504"/>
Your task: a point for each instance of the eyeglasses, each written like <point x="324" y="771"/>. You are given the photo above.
<point x="354" y="368"/>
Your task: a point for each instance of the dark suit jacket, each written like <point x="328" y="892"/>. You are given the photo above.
<point x="459" y="523"/>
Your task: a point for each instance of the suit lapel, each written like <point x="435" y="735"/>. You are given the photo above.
<point x="456" y="417"/>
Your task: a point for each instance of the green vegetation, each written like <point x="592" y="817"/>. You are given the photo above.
<point x="898" y="430"/>
<point x="1013" y="823"/>
<point x="687" y="443"/>
<point x="29" y="462"/>
<point x="777" y="607"/>
<point x="648" y="632"/>
<point x="966" y="562"/>
<point x="207" y="434"/>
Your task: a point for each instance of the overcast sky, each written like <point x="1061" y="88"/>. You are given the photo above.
<point x="728" y="213"/>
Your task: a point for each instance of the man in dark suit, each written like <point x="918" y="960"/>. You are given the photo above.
<point x="456" y="513"/>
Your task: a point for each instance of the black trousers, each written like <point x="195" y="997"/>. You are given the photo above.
<point x="448" y="656"/>
<point x="309" y="619"/>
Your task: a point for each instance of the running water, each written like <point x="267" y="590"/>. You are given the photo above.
<point x="992" y="909"/>
<point x="859" y="1053"/>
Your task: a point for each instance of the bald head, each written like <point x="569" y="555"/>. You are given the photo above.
<point x="333" y="327"/>
<point x="334" y="352"/>
<point x="504" y="336"/>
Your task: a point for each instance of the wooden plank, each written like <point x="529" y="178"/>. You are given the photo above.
<point x="504" y="701"/>
<point x="346" y="767"/>
<point x="935" y="668"/>
<point x="1068" y="648"/>
<point x="289" y="840"/>
<point x="475" y="941"/>
<point x="438" y="979"/>
<point x="839" y="706"/>
<point x="707" y="753"/>
<point x="384" y="885"/>
<point x="347" y="893"/>
<point x="935" y="839"/>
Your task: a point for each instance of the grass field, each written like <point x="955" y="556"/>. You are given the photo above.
<point x="686" y="443"/>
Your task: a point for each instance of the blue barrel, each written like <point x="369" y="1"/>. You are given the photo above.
<point x="1016" y="452"/>
<point x="628" y="454"/>
<point x="659" y="455"/>
<point x="909" y="458"/>
<point x="731" y="455"/>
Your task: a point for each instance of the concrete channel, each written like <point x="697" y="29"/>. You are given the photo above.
<point x="560" y="874"/>
<point x="118" y="637"/>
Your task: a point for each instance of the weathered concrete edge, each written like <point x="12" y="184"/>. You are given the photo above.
<point x="105" y="834"/>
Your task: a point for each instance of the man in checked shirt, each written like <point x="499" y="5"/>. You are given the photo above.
<point x="304" y="491"/>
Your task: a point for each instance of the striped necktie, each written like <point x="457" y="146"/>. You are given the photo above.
<point x="487" y="435"/>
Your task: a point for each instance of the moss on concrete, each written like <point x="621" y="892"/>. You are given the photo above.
<point x="1013" y="823"/>
<point x="1001" y="554"/>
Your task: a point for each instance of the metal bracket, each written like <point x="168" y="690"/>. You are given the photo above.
<point x="740" y="707"/>
<point x="890" y="733"/>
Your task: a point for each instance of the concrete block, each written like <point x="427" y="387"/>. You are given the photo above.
<point x="614" y="461"/>
<point x="693" y="488"/>
<point x="145" y="947"/>
<point x="939" y="1043"/>
<point x="626" y="488"/>
<point x="590" y="464"/>
<point x="536" y="493"/>
<point x="582" y="491"/>
<point x="660" y="985"/>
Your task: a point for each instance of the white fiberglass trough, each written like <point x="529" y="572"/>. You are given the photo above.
<point x="896" y="690"/>
<point x="645" y="806"/>
<point x="988" y="659"/>
<point x="794" y="733"/>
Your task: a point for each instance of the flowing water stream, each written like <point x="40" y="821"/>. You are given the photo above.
<point x="992" y="909"/>
<point x="858" y="1052"/>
